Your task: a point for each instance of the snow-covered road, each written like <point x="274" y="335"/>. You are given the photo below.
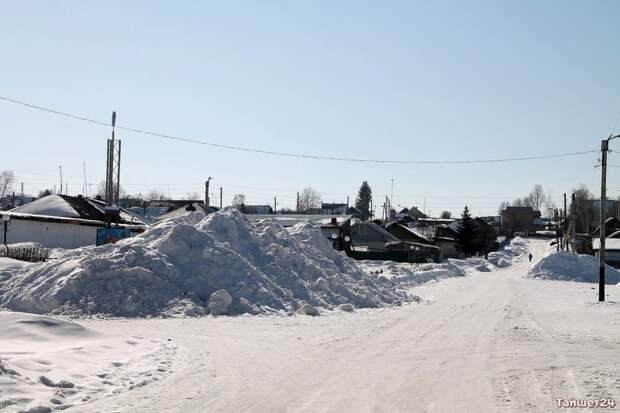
<point x="493" y="341"/>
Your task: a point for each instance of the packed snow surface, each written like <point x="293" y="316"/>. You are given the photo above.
<point x="48" y="364"/>
<point x="566" y="266"/>
<point x="177" y="265"/>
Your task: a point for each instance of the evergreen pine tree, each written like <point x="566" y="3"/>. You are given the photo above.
<point x="466" y="238"/>
<point x="364" y="201"/>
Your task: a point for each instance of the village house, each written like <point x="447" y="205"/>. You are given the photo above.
<point x="256" y="209"/>
<point x="62" y="221"/>
<point x="518" y="219"/>
<point x="333" y="209"/>
<point x="422" y="247"/>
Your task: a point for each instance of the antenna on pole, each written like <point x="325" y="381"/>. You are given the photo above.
<point x="113" y="168"/>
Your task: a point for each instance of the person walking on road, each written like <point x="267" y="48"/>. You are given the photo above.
<point x="531" y="257"/>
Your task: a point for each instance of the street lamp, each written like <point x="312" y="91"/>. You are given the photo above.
<point x="601" y="250"/>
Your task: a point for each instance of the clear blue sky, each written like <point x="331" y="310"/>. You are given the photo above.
<point x="400" y="80"/>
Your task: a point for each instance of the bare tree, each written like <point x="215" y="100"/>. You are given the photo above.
<point x="155" y="195"/>
<point x="193" y="196"/>
<point x="584" y="210"/>
<point x="537" y="197"/>
<point x="6" y="182"/>
<point x="518" y="202"/>
<point x="238" y="200"/>
<point x="101" y="191"/>
<point x="45" y="192"/>
<point x="502" y="207"/>
<point x="446" y="215"/>
<point x="308" y="199"/>
<point x="549" y="206"/>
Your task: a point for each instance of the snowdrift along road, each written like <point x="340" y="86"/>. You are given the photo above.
<point x="566" y="266"/>
<point x="177" y="266"/>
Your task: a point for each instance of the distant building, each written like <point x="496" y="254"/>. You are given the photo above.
<point x="152" y="211"/>
<point x="256" y="209"/>
<point x="407" y="234"/>
<point x="370" y="236"/>
<point x="518" y="219"/>
<point x="333" y="209"/>
<point x="336" y="228"/>
<point x="415" y="213"/>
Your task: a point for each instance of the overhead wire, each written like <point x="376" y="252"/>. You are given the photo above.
<point x="291" y="154"/>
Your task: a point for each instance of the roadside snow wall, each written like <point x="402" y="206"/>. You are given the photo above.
<point x="180" y="263"/>
<point x="565" y="266"/>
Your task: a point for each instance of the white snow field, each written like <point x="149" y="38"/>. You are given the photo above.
<point x="48" y="364"/>
<point x="484" y="338"/>
<point x="489" y="342"/>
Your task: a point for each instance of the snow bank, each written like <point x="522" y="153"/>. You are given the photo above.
<point x="177" y="265"/>
<point x="48" y="364"/>
<point x="416" y="274"/>
<point x="565" y="266"/>
<point x="514" y="250"/>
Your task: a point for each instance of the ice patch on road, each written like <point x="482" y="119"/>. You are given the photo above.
<point x="177" y="264"/>
<point x="566" y="266"/>
<point x="48" y="364"/>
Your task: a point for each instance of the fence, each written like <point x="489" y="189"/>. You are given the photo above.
<point x="25" y="252"/>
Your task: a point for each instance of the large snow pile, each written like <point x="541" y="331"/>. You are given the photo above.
<point x="48" y="364"/>
<point x="181" y="264"/>
<point x="565" y="266"/>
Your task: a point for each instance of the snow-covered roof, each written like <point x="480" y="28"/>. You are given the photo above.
<point x="51" y="205"/>
<point x="378" y="228"/>
<point x="288" y="220"/>
<point x="71" y="207"/>
<point x="610" y="244"/>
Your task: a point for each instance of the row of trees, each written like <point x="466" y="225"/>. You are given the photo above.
<point x="537" y="199"/>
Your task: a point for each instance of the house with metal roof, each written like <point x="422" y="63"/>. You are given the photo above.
<point x="62" y="221"/>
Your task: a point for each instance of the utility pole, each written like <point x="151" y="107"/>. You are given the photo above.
<point x="84" y="174"/>
<point x="207" y="194"/>
<point x="557" y="230"/>
<point x="297" y="209"/>
<point x="601" y="251"/>
<point x="347" y="211"/>
<point x="565" y="225"/>
<point x="221" y="197"/>
<point x="22" y="192"/>
<point x="60" y="172"/>
<point x="275" y="205"/>
<point x="573" y="222"/>
<point x="392" y="195"/>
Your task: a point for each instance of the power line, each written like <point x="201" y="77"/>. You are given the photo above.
<point x="290" y="154"/>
